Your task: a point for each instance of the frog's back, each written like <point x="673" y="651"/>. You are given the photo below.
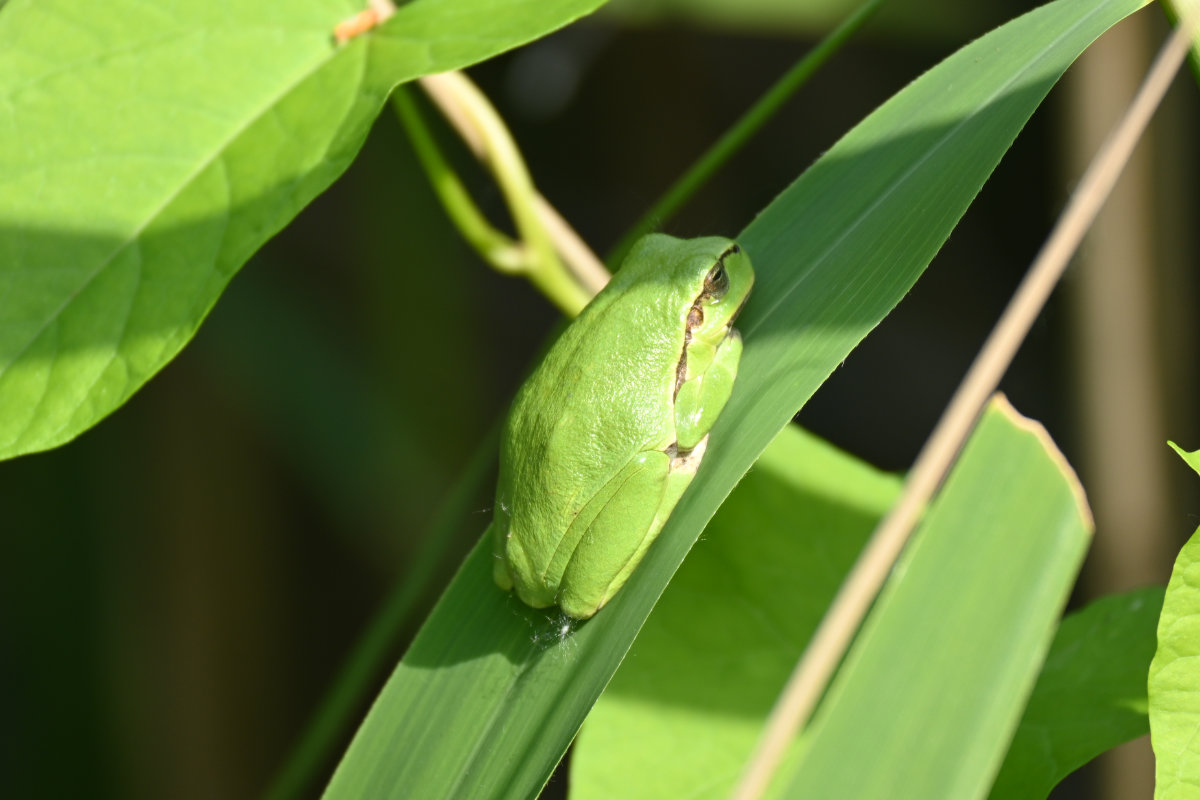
<point x="603" y="394"/>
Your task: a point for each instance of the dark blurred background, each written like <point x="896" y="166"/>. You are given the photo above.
<point x="179" y="586"/>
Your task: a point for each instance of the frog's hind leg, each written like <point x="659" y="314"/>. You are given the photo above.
<point x="618" y="535"/>
<point x="551" y="573"/>
<point x="683" y="469"/>
<point x="499" y="535"/>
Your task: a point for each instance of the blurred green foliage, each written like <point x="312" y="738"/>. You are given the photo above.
<point x="178" y="586"/>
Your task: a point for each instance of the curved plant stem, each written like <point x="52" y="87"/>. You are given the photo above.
<point x="854" y="599"/>
<point x="483" y="129"/>
<point x="586" y="266"/>
<point x="742" y="130"/>
<point x="497" y="248"/>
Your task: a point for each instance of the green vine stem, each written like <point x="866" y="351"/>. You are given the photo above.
<point x="496" y="248"/>
<point x="533" y="255"/>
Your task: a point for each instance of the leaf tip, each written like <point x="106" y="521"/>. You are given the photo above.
<point x="999" y="403"/>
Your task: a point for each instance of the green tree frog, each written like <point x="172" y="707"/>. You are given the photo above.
<point x="608" y="431"/>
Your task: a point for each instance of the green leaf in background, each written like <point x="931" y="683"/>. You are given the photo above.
<point x="1192" y="458"/>
<point x="1090" y="697"/>
<point x="744" y="604"/>
<point x="738" y="613"/>
<point x="508" y="686"/>
<point x="148" y="149"/>
<point x="928" y="697"/>
<point x="1174" y="681"/>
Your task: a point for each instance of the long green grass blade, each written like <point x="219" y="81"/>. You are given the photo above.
<point x="491" y="693"/>
<point x="148" y="149"/>
<point x="932" y="690"/>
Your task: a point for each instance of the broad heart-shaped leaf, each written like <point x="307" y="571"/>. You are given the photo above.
<point x="1174" y="681"/>
<point x="1090" y="697"/>
<point x="147" y="149"/>
<point x="727" y="632"/>
<point x="507" y="687"/>
<point x="927" y="699"/>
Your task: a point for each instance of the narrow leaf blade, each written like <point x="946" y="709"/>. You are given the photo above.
<point x="933" y="688"/>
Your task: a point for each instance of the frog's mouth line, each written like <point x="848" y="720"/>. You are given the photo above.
<point x="738" y="311"/>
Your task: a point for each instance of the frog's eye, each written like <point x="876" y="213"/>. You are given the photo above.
<point x="716" y="283"/>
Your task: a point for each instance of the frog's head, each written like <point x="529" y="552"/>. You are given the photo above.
<point x="722" y="283"/>
<point x="706" y="280"/>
